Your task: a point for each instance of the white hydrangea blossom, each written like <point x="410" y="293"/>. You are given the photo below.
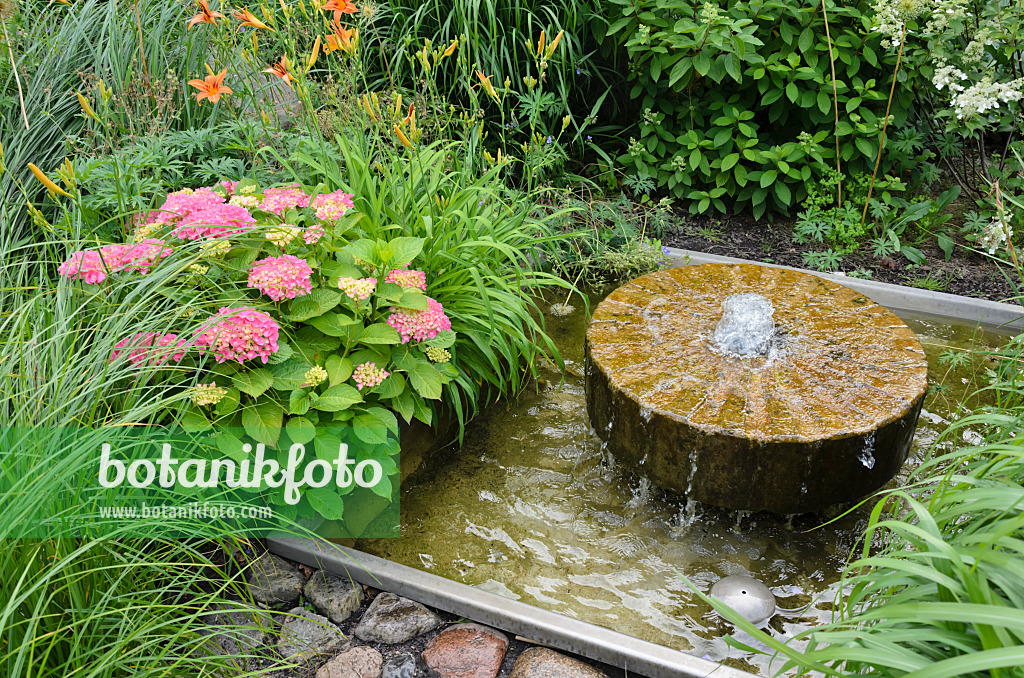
<point x="949" y="76"/>
<point x="986" y="95"/>
<point x="891" y="17"/>
<point x="996" y="233"/>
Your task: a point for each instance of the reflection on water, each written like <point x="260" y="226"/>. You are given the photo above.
<point x="532" y="508"/>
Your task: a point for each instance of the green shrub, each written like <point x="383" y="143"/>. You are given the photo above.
<point x="737" y="102"/>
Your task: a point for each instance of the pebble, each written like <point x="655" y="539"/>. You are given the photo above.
<point x="305" y="634"/>
<point x="400" y="666"/>
<point x="358" y="662"/>
<point x="392" y="619"/>
<point x="334" y="596"/>
<point x="275" y="581"/>
<point x="466" y="651"/>
<point x="540" y="662"/>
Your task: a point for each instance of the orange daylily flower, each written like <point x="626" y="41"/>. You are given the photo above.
<point x="211" y="87"/>
<point x="339" y="7"/>
<point x="281" y="70"/>
<point x="205" y="16"/>
<point x="248" y="19"/>
<point x="344" y="39"/>
<point x="485" y="80"/>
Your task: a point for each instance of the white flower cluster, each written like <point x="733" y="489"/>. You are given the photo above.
<point x="943" y="13"/>
<point x="986" y="95"/>
<point x="709" y="14"/>
<point x="949" y="76"/>
<point x="997" y="232"/>
<point x="891" y="17"/>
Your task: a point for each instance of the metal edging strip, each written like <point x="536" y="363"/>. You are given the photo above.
<point x="999" y="316"/>
<point x="543" y="626"/>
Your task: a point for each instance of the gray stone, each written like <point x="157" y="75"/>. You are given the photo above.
<point x="357" y="662"/>
<point x="400" y="666"/>
<point x="392" y="619"/>
<point x="334" y="596"/>
<point x="305" y="634"/>
<point x="275" y="581"/>
<point x="540" y="662"/>
<point x="239" y="633"/>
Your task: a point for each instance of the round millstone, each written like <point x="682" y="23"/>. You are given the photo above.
<point x="827" y="416"/>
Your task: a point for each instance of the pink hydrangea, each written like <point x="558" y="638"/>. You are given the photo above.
<point x="332" y="206"/>
<point x="136" y="257"/>
<point x="281" y="199"/>
<point x="213" y="222"/>
<point x="87" y="265"/>
<point x="239" y="334"/>
<point x="150" y="348"/>
<point x="181" y="204"/>
<point x="281" y="277"/>
<point x="357" y="288"/>
<point x="368" y="374"/>
<point x="227" y="185"/>
<point x="419" y="325"/>
<point x="313" y="234"/>
<point x="407" y="278"/>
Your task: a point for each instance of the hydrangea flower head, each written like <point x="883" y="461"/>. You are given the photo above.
<point x="313" y="234"/>
<point x="86" y="265"/>
<point x="240" y="334"/>
<point x="332" y="206"/>
<point x="213" y="222"/>
<point x="183" y="203"/>
<point x="358" y="288"/>
<point x="407" y="278"/>
<point x="150" y="348"/>
<point x="207" y="394"/>
<point x="419" y="325"/>
<point x="281" y="199"/>
<point x="368" y="374"/>
<point x="315" y="376"/>
<point x="284" y="277"/>
<point x="137" y="257"/>
<point x="283" y="234"/>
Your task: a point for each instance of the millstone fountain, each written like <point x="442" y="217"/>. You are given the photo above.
<point x="753" y="388"/>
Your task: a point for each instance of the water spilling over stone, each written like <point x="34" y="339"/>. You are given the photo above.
<point x="747" y="326"/>
<point x="827" y="420"/>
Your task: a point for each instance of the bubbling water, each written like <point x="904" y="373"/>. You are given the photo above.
<point x="747" y="327"/>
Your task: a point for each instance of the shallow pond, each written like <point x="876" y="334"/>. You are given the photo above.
<point x="531" y="507"/>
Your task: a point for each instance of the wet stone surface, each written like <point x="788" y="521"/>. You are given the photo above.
<point x="824" y="416"/>
<point x="300" y="643"/>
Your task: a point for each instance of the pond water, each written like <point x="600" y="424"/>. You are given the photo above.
<point x="533" y="508"/>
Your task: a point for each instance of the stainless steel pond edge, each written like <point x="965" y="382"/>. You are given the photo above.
<point x="995" y="315"/>
<point x="543" y="626"/>
<point x="573" y="635"/>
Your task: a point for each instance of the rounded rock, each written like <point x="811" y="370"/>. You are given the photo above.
<point x="750" y="598"/>
<point x="826" y="417"/>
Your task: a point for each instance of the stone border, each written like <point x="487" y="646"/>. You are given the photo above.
<point x="993" y="315"/>
<point x="543" y="626"/>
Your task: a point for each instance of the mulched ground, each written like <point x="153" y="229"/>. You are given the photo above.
<point x="741" y="236"/>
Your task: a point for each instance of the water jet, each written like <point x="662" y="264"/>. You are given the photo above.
<point x="753" y="388"/>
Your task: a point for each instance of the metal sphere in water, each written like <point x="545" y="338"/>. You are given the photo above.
<point x="750" y="598"/>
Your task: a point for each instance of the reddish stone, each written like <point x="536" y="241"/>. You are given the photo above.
<point x="466" y="651"/>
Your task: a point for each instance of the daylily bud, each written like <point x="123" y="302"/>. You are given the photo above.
<point x="401" y="136"/>
<point x="45" y="181"/>
<point x="311" y="59"/>
<point x="451" y="48"/>
<point x="554" y="44"/>
<point x="540" y="43"/>
<point x="86" y="108"/>
<point x="565" y="122"/>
